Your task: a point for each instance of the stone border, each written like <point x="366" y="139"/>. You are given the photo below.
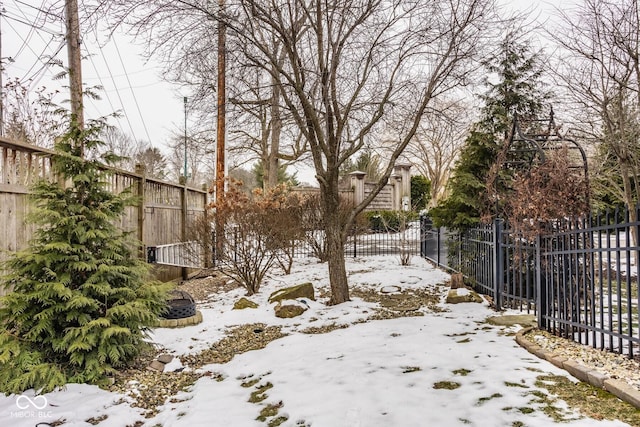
<point x="618" y="388"/>
<point x="185" y="321"/>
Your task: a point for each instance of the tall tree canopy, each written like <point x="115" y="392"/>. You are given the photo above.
<point x="514" y="88"/>
<point x="349" y="73"/>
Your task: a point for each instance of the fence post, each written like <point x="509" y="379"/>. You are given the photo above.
<point x="183" y="225"/>
<point x="498" y="270"/>
<point x="438" y="245"/>
<point x="355" y="242"/>
<point x="423" y="236"/>
<point x="142" y="183"/>
<point x="541" y="291"/>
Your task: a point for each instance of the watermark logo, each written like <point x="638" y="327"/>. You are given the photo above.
<point x="25" y="402"/>
<point x="31" y="407"/>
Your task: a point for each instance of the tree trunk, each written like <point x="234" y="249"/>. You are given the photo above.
<point x="276" y="130"/>
<point x="335" y="240"/>
<point x="336" y="261"/>
<point x="630" y="201"/>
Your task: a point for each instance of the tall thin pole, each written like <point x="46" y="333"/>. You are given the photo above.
<point x="75" y="64"/>
<point x="185" y="140"/>
<point x="1" y="81"/>
<point x="221" y="123"/>
<point x="220" y="133"/>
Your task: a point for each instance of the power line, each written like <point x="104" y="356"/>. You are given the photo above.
<point x="38" y="56"/>
<point x="117" y="93"/>
<point x="39" y="9"/>
<point x="13" y="18"/>
<point x="135" y="99"/>
<point x="113" y="109"/>
<point x="32" y="29"/>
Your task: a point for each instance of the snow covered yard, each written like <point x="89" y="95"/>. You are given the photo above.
<point x="445" y="367"/>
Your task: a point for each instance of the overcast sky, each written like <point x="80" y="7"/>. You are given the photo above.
<point x="152" y="110"/>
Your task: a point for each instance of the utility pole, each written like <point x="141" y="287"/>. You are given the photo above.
<point x="1" y="80"/>
<point x="185" y="140"/>
<point x="221" y="124"/>
<point x="75" y="64"/>
<point x="220" y="130"/>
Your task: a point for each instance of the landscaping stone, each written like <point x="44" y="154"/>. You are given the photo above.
<point x="597" y="378"/>
<point x="577" y="370"/>
<point x="556" y="360"/>
<point x="165" y="358"/>
<point x="304" y="290"/>
<point x="462" y="295"/>
<point x="243" y="303"/>
<point x="288" y="311"/>
<point x="156" y="366"/>
<point x="186" y="321"/>
<point x="457" y="281"/>
<point x="623" y="391"/>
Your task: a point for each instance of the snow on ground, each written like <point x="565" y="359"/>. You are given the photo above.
<point x="377" y="373"/>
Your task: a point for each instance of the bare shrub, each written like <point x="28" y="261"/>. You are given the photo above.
<point x="287" y="231"/>
<point x="313" y="223"/>
<point x="260" y="230"/>
<point x="545" y="194"/>
<point x="200" y="231"/>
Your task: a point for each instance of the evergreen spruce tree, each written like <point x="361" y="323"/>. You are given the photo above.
<point x="518" y="90"/>
<point x="80" y="300"/>
<point x="420" y="192"/>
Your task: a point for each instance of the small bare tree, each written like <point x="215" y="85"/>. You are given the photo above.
<point x="546" y="193"/>
<point x="262" y="230"/>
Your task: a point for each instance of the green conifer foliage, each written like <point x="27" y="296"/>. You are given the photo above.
<point x="517" y="89"/>
<point x="81" y="300"/>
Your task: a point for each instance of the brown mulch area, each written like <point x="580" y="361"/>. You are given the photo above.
<point x="207" y="282"/>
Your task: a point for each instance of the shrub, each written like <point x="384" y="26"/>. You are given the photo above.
<point x="389" y="221"/>
<point x="260" y="230"/>
<point x="79" y="301"/>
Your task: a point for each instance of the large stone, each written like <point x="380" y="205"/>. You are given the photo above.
<point x="461" y="295"/>
<point x="165" y="358"/>
<point x="243" y="303"/>
<point x="156" y="366"/>
<point x="287" y="311"/>
<point x="457" y="281"/>
<point x="304" y="290"/>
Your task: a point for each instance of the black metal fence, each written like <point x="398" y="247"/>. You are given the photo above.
<point x="581" y="280"/>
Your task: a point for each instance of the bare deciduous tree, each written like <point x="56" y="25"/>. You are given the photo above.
<point x="200" y="159"/>
<point x="353" y="71"/>
<point x="30" y="115"/>
<point x="348" y="72"/>
<point x="263" y="127"/>
<point x="601" y="74"/>
<point x="437" y="143"/>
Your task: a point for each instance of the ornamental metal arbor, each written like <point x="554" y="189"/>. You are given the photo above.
<point x="530" y="142"/>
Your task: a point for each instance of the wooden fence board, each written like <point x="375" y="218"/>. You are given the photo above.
<point x="155" y="221"/>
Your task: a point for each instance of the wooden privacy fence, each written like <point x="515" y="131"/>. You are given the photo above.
<point x="162" y="216"/>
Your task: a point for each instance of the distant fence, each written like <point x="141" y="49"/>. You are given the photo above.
<point x="368" y="243"/>
<point x="164" y="212"/>
<point x="581" y="281"/>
